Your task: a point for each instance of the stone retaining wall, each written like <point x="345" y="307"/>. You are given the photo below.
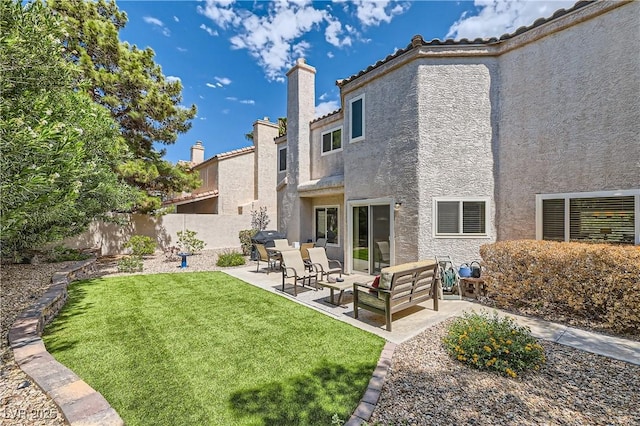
<point x="79" y="403"/>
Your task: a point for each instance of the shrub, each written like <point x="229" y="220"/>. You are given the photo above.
<point x="260" y="219"/>
<point x="61" y="253"/>
<point x="130" y="264"/>
<point x="141" y="245"/>
<point x="245" y="240"/>
<point x="188" y="242"/>
<point x="594" y="285"/>
<point x="493" y="344"/>
<point x="232" y="258"/>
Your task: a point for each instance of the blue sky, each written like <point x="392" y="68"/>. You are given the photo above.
<point x="232" y="56"/>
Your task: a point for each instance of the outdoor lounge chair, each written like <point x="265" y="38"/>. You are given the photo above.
<point x="318" y="257"/>
<point x="264" y="256"/>
<point x="294" y="267"/>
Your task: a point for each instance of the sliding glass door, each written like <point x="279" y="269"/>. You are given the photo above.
<point x="370" y="242"/>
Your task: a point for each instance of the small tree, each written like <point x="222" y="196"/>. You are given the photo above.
<point x="260" y="219"/>
<point x="188" y="242"/>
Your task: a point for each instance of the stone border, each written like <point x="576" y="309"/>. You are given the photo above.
<point x="367" y="404"/>
<point x="79" y="403"/>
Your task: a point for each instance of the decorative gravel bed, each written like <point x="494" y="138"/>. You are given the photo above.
<point x="423" y="387"/>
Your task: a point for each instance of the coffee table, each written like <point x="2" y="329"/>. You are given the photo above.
<point x="341" y="286"/>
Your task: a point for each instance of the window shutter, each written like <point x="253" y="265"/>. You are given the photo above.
<point x="553" y="219"/>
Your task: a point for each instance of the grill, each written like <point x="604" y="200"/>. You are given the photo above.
<point x="267" y="237"/>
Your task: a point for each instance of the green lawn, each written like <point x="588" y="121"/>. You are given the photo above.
<point x="208" y="349"/>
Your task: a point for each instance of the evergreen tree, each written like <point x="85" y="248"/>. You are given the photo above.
<point x="127" y="81"/>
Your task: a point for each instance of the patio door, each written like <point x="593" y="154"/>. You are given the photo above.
<point x="370" y="237"/>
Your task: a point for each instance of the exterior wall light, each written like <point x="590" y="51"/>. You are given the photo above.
<point x="397" y="206"/>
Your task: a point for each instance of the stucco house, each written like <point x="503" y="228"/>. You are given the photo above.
<point x="234" y="182"/>
<point x="444" y="146"/>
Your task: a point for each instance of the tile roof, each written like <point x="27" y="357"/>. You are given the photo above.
<point x="418" y="41"/>
<point x="339" y="110"/>
<point x="191" y="197"/>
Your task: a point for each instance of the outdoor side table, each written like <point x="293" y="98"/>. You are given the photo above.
<point x="184" y="259"/>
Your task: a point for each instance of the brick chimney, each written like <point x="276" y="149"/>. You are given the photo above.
<point x="197" y="153"/>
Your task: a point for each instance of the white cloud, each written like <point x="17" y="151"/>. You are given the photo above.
<point x="209" y="30"/>
<point x="231" y="98"/>
<point x="219" y="84"/>
<point x="324" y="108"/>
<point x="223" y="80"/>
<point x="201" y="97"/>
<point x="332" y="34"/>
<point x="157" y="23"/>
<point x="248" y="102"/>
<point x="330" y="54"/>
<point x="323" y="96"/>
<point x="181" y="49"/>
<point x="213" y="86"/>
<point x="374" y="12"/>
<point x="497" y="17"/>
<point x="272" y="38"/>
<point x="175" y="18"/>
<point x="202" y="118"/>
<point x="172" y="78"/>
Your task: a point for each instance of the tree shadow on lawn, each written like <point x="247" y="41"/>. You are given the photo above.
<point x="75" y="305"/>
<point x="308" y="399"/>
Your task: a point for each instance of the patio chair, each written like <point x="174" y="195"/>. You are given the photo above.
<point x="318" y="257"/>
<point x="383" y="253"/>
<point x="294" y="267"/>
<point x="304" y="251"/>
<point x="264" y="256"/>
<point x="282" y="244"/>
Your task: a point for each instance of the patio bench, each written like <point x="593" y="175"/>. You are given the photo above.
<point x="400" y="287"/>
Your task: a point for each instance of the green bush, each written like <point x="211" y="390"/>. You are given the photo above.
<point x="245" y="240"/>
<point x="494" y="344"/>
<point x="586" y="284"/>
<point x="141" y="245"/>
<point x="61" y="253"/>
<point x="130" y="264"/>
<point x="232" y="258"/>
<point x="188" y="243"/>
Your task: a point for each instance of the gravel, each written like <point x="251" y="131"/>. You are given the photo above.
<point x="424" y="386"/>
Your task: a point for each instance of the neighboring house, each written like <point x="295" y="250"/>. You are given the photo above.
<point x="234" y="182"/>
<point x="444" y="146"/>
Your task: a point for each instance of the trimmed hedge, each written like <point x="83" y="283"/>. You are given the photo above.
<point x="597" y="284"/>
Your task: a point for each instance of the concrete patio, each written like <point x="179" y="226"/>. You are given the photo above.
<point x="413" y="321"/>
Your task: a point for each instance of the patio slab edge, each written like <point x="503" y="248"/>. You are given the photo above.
<point x="78" y="402"/>
<point x="369" y="400"/>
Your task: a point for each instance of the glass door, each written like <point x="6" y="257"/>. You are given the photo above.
<point x="371" y="237"/>
<point x="360" y="239"/>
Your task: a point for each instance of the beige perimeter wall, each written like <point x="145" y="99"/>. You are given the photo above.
<point x="217" y="231"/>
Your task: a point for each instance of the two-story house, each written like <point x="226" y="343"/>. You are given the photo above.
<point x="444" y="146"/>
<point x="237" y="181"/>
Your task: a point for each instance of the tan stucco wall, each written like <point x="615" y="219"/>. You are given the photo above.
<point x="569" y="116"/>
<point x="457" y="132"/>
<point x="235" y="182"/>
<point x="217" y="231"/>
<point x="331" y="163"/>
<point x="209" y="176"/>
<point x="383" y="165"/>
<point x="265" y="166"/>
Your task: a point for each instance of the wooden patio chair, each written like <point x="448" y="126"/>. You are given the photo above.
<point x="294" y="267"/>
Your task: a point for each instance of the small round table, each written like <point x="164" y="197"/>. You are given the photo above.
<point x="184" y="259"/>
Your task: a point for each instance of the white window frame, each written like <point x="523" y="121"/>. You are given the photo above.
<point x="315" y="230"/>
<point x="286" y="162"/>
<point x="330" y="131"/>
<point x="567" y="196"/>
<point x="351" y="102"/>
<point x="460" y="200"/>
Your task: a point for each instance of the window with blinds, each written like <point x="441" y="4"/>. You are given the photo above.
<point x="553" y="219"/>
<point x="607" y="219"/>
<point x="461" y="217"/>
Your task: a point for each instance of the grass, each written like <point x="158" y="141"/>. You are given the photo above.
<point x="208" y="349"/>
